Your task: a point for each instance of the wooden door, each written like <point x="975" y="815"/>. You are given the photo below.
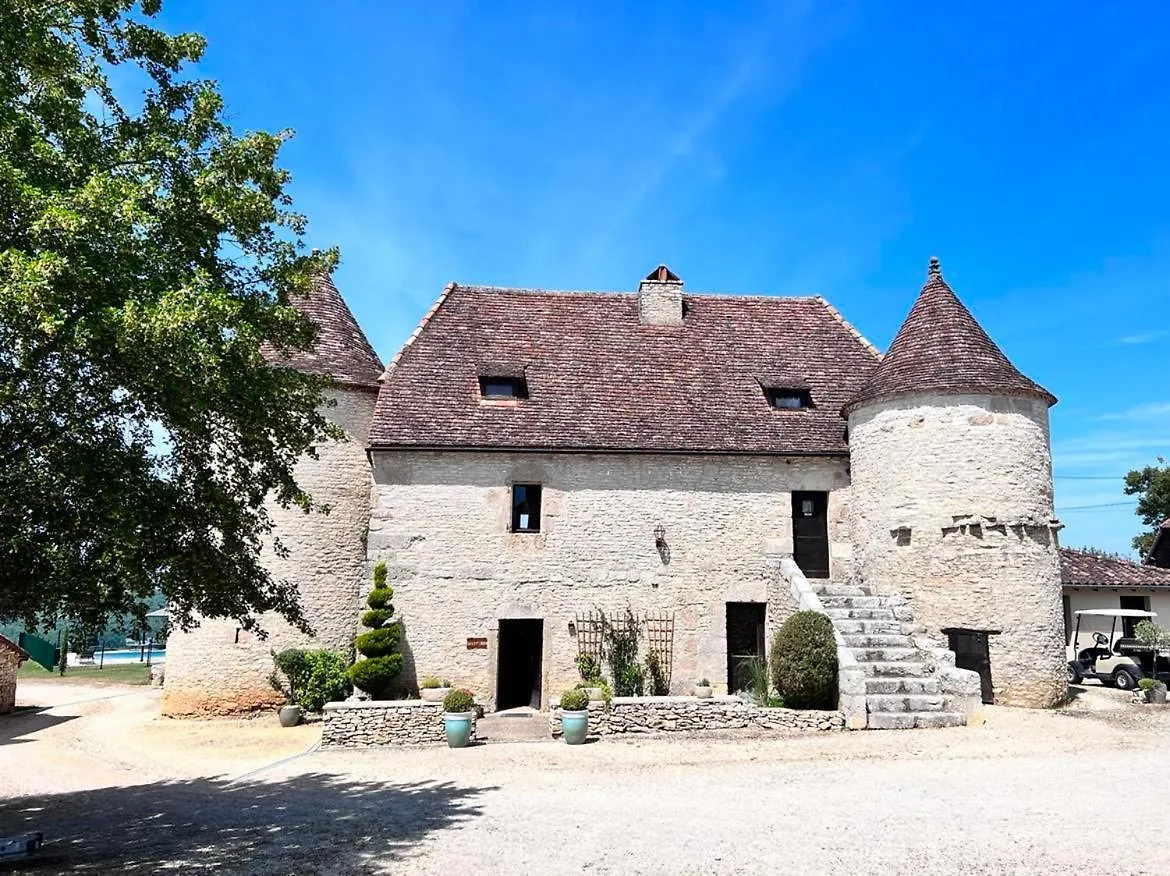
<point x="810" y="533"/>
<point x="745" y="641"/>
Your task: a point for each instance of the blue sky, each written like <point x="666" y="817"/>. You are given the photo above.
<point x="789" y="149"/>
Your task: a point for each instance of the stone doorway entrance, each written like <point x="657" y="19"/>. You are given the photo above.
<point x="972" y="652"/>
<point x="810" y="533"/>
<point x="518" y="665"/>
<point x="745" y="641"/>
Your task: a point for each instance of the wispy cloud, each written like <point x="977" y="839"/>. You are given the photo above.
<point x="1153" y="411"/>
<point x="1143" y="337"/>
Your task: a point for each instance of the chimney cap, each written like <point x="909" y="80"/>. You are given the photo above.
<point x="662" y="274"/>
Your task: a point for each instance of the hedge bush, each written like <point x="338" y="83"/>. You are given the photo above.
<point x="804" y="662"/>
<point x="314" y="678"/>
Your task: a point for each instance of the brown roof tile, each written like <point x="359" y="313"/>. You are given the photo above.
<point x="9" y="645"/>
<point x="598" y="379"/>
<point x="1080" y="569"/>
<point x="341" y="350"/>
<point x="941" y="348"/>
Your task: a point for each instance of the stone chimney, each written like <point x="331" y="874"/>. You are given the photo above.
<point x="660" y="298"/>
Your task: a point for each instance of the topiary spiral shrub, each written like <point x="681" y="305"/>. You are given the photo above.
<point x="804" y="662"/>
<point x="379" y="646"/>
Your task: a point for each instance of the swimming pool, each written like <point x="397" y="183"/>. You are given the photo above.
<point x="121" y="657"/>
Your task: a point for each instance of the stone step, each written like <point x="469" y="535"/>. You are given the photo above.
<point x="876" y="640"/>
<point x="879" y="669"/>
<point x="860" y="613"/>
<point x="513" y="726"/>
<point x="904" y="702"/>
<point x="848" y="626"/>
<point x="884" y="655"/>
<point x="854" y="602"/>
<point x="902" y="686"/>
<point x="906" y="720"/>
<point x="843" y="590"/>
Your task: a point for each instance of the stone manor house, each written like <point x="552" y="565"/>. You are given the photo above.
<point x="529" y="458"/>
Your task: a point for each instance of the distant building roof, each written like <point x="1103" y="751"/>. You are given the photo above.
<point x="341" y="350"/>
<point x="599" y="378"/>
<point x="1081" y="569"/>
<point x="9" y="645"/>
<point x="1159" y="554"/>
<point x="941" y="348"/>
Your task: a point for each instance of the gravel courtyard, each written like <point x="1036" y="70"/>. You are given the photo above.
<point x="115" y="788"/>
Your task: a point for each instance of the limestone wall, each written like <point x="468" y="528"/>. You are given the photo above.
<point x="387" y="722"/>
<point x="689" y="714"/>
<point x="219" y="669"/>
<point x="441" y="522"/>
<point x="8" y="667"/>
<point x="952" y="507"/>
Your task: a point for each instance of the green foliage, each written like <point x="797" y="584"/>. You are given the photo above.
<point x="703" y="682"/>
<point x="602" y="685"/>
<point x="759" y="688"/>
<point x="1151" y="634"/>
<point x="1148" y="684"/>
<point x="804" y="661"/>
<point x="631" y="682"/>
<point x="459" y="701"/>
<point x="574" y="700"/>
<point x="309" y="678"/>
<point x="659" y="683"/>
<point x="148" y="254"/>
<point x="1152" y="487"/>
<point x="588" y="667"/>
<point x="431" y="682"/>
<point x="621" y="648"/>
<point x="376" y="674"/>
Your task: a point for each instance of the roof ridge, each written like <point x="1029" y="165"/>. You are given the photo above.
<point x="610" y="293"/>
<point x="418" y="329"/>
<point x="849" y="326"/>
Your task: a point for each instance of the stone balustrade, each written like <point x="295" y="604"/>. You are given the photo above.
<point x="687" y="714"/>
<point x="366" y="723"/>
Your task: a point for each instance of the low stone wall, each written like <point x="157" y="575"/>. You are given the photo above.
<point x="682" y="714"/>
<point x="366" y="723"/>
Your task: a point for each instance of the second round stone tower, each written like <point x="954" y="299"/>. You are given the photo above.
<point x="952" y="495"/>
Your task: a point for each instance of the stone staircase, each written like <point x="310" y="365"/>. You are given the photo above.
<point x="902" y="689"/>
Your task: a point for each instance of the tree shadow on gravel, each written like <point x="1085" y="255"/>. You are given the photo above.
<point x="21" y="724"/>
<point x="313" y="823"/>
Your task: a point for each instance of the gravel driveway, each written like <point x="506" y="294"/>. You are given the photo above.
<point x="116" y="788"/>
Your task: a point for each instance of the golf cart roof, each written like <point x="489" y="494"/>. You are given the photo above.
<point x="1115" y="612"/>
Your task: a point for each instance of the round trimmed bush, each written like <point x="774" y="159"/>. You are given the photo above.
<point x="375" y="675"/>
<point x="459" y="701"/>
<point x="375" y="617"/>
<point x="574" y="701"/>
<point x="804" y="662"/>
<point x="380" y="642"/>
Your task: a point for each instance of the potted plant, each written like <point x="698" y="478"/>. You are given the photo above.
<point x="1154" y="690"/>
<point x="591" y="681"/>
<point x="290" y="669"/>
<point x="575" y="716"/>
<point x="703" y="689"/>
<point x="458" y="714"/>
<point x="433" y="690"/>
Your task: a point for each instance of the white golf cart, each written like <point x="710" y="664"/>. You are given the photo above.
<point x="1112" y="659"/>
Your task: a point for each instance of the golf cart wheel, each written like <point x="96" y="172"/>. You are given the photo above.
<point x="1124" y="680"/>
<point x="1074" y="673"/>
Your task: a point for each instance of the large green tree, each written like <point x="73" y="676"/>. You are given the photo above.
<point x="1152" y="487"/>
<point x="147" y="257"/>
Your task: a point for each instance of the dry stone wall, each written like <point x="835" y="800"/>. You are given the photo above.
<point x="440" y="520"/>
<point x="952" y="507"/>
<point x="220" y="669"/>
<point x="383" y="722"/>
<point x="8" y="666"/>
<point x="690" y="714"/>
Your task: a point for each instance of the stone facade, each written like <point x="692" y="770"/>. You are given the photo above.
<point x="952" y="507"/>
<point x="689" y="714"/>
<point x="218" y="668"/>
<point x="440" y="520"/>
<point x="9" y="663"/>
<point x="387" y="722"/>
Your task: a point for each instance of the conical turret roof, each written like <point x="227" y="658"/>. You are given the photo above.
<point x="341" y="350"/>
<point x="942" y="349"/>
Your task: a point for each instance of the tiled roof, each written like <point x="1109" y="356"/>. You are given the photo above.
<point x="341" y="350"/>
<point x="9" y="645"/>
<point x="1159" y="554"/>
<point x="599" y="379"/>
<point x="942" y="349"/>
<point x="1080" y="569"/>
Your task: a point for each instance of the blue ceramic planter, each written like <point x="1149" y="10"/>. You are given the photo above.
<point x="458" y="727"/>
<point x="575" y="726"/>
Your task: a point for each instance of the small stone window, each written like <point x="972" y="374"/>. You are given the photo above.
<point x="503" y="387"/>
<point x="526" y="507"/>
<point x="785" y="399"/>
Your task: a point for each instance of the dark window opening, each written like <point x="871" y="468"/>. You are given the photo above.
<point x="810" y="533"/>
<point x="526" y="507"/>
<point x="1129" y="624"/>
<point x="503" y="387"/>
<point x="788" y="399"/>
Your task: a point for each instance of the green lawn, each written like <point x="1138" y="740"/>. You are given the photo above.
<point x="126" y="673"/>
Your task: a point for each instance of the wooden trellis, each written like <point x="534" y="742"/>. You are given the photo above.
<point x="659" y="628"/>
<point x="656" y="628"/>
<point x="591" y="635"/>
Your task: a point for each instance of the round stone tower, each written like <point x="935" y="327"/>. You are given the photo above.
<point x="952" y="494"/>
<point x="218" y="668"/>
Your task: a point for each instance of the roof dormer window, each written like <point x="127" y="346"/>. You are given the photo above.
<point x="786" y="399"/>
<point x="503" y="388"/>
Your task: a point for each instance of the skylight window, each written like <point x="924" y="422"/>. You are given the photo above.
<point x="503" y="388"/>
<point x="785" y="399"/>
